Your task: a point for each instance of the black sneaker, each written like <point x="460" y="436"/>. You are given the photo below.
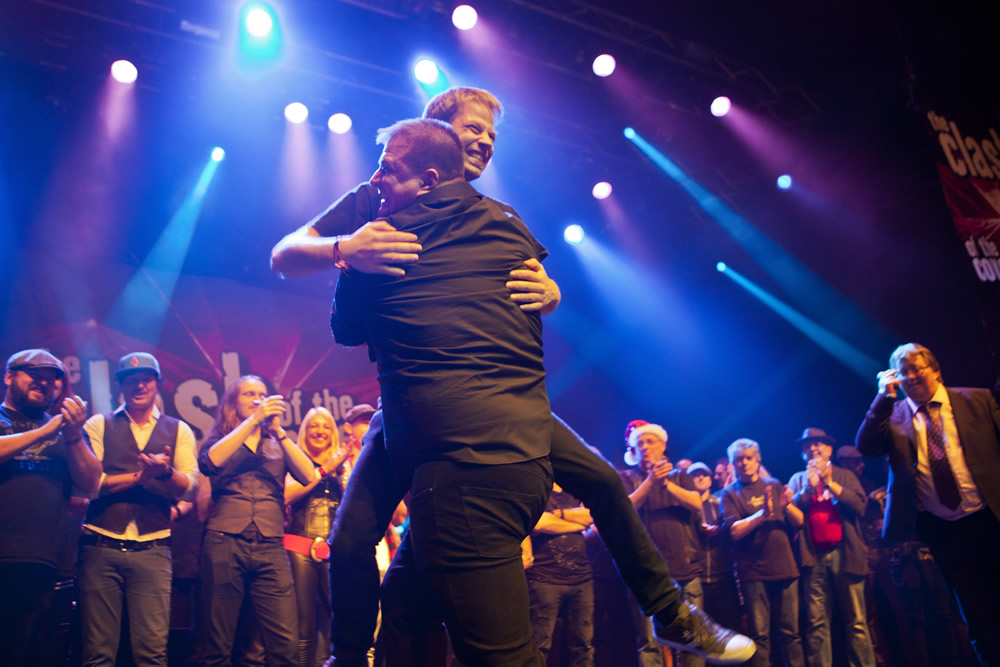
<point x="694" y="631"/>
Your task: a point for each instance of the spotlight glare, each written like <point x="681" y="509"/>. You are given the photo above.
<point x="604" y="64"/>
<point x="721" y="106"/>
<point x="426" y="71"/>
<point x="602" y="190"/>
<point x="464" y="17"/>
<point x="721" y="267"/>
<point x="259" y="22"/>
<point x="339" y="123"/>
<point x="296" y="112"/>
<point x="573" y="234"/>
<point x="629" y="133"/>
<point x="784" y="182"/>
<point x="124" y="72"/>
<point x="218" y="154"/>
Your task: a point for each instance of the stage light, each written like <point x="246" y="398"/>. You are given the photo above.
<point x="218" y="154"/>
<point x="784" y="182"/>
<point x="573" y="234"/>
<point x="721" y="106"/>
<point x="296" y="112"/>
<point x="339" y="123"/>
<point x="629" y="133"/>
<point x="604" y="64"/>
<point x="602" y="190"/>
<point x="124" y="72"/>
<point x="464" y="17"/>
<point x="720" y="267"/>
<point x="426" y="71"/>
<point x="259" y="21"/>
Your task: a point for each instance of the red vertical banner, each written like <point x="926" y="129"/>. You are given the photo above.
<point x="969" y="167"/>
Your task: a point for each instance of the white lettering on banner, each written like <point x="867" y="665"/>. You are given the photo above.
<point x="985" y="258"/>
<point x="967" y="156"/>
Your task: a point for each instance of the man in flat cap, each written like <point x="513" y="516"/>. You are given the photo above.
<point x="832" y="551"/>
<point x="41" y="458"/>
<point x="148" y="462"/>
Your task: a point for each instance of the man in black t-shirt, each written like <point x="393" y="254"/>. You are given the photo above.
<point x="465" y="412"/>
<point x="560" y="578"/>
<point x="41" y="457"/>
<point x="757" y="512"/>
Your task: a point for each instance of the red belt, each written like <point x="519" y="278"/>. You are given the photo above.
<point x="317" y="548"/>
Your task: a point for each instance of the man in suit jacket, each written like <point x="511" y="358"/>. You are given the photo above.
<point x="944" y="483"/>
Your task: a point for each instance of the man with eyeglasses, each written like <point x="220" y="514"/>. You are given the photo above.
<point x="148" y="462"/>
<point x="944" y="483"/>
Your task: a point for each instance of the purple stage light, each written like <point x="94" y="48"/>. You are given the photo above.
<point x="604" y="64"/>
<point x="721" y="106"/>
<point x="296" y="112"/>
<point x="339" y="123"/>
<point x="124" y="72"/>
<point x="602" y="190"/>
<point x="464" y="17"/>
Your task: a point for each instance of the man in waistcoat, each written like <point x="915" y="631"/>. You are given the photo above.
<point x="148" y="462"/>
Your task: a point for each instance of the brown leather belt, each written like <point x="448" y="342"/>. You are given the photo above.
<point x="315" y="548"/>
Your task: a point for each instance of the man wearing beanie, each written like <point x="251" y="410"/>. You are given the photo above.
<point x="41" y="458"/>
<point x="148" y="461"/>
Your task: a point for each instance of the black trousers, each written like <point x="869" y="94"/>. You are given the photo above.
<point x="966" y="552"/>
<point x="373" y="493"/>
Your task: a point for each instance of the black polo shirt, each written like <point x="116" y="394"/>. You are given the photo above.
<point x="459" y="363"/>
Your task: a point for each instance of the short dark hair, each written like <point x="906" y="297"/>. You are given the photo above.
<point x="428" y="144"/>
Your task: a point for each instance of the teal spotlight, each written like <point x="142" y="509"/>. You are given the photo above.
<point x="218" y="154"/>
<point x="426" y="71"/>
<point x="720" y="267"/>
<point x="260" y="33"/>
<point x="784" y="182"/>
<point x="629" y="133"/>
<point x="573" y="234"/>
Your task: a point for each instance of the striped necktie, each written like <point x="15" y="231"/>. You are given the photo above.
<point x="941" y="473"/>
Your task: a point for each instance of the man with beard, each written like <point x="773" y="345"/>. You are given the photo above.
<point x="41" y="458"/>
<point x="148" y="461"/>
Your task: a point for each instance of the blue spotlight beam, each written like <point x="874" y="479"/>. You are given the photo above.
<point x="862" y="365"/>
<point x="141" y="308"/>
<point x="806" y="289"/>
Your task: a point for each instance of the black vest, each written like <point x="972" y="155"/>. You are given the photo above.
<point x="148" y="505"/>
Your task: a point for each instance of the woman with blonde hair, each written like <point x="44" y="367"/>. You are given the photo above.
<point x="311" y="508"/>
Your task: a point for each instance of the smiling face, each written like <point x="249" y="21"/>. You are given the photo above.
<point x="139" y="389"/>
<point x="816" y="449"/>
<point x="920" y="381"/>
<point x="32" y="391"/>
<point x="473" y="123"/>
<point x="651" y="449"/>
<point x="397" y="184"/>
<point x="319" y="433"/>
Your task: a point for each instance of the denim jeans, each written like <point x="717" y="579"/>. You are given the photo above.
<point x="109" y="576"/>
<point x="233" y="567"/>
<point x="577" y="604"/>
<point x="823" y="584"/>
<point x="373" y="493"/>
<point x="782" y="595"/>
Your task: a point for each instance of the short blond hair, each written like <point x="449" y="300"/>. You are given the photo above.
<point x="916" y="350"/>
<point x="444" y="106"/>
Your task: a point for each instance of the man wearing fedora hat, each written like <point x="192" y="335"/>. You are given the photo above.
<point x="831" y="551"/>
<point x="148" y="461"/>
<point x="41" y="458"/>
